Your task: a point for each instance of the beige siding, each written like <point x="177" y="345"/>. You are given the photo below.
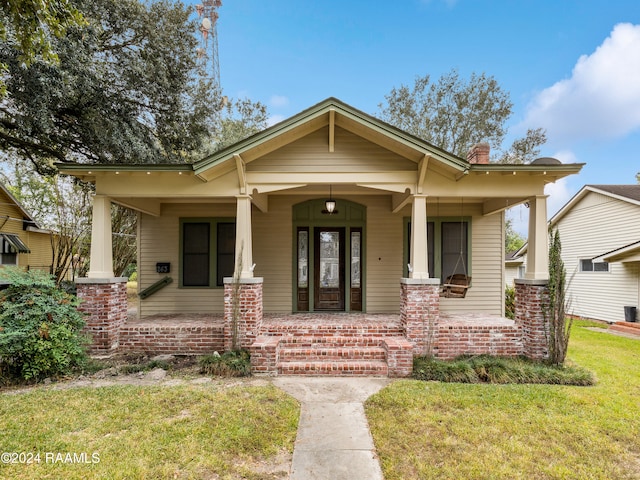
<point x="159" y="241"/>
<point x="487" y="260"/>
<point x="352" y="153"/>
<point x="41" y="256"/>
<point x="11" y="221"/>
<point x="273" y="253"/>
<point x="595" y="225"/>
<point x="384" y="251"/>
<point x="513" y="272"/>
<point x="273" y="256"/>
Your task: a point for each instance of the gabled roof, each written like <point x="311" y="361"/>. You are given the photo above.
<point x="26" y="215"/>
<point x="339" y="145"/>
<point x="330" y="112"/>
<point x="625" y="193"/>
<point x="629" y="252"/>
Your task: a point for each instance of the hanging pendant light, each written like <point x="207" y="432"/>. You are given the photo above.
<point x="330" y="205"/>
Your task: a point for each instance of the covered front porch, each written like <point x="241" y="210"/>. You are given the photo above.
<point x="247" y="233"/>
<point x="325" y="343"/>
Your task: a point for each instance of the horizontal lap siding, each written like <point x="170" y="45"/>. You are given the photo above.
<point x="487" y="259"/>
<point x="595" y="225"/>
<point x="159" y="241"/>
<point x="384" y="250"/>
<point x="272" y="253"/>
<point x="351" y="154"/>
<point x="39" y="243"/>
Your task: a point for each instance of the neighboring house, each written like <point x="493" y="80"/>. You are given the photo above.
<point x="22" y="242"/>
<point x="407" y="216"/>
<point x="600" y="234"/>
<point x="515" y="265"/>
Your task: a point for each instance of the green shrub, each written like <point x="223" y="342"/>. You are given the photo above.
<point x="230" y="364"/>
<point x="488" y="369"/>
<point x="40" y="327"/>
<point x="510" y="302"/>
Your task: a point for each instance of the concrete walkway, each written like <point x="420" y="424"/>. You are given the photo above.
<point x="333" y="441"/>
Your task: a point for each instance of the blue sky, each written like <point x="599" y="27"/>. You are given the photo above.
<point x="570" y="66"/>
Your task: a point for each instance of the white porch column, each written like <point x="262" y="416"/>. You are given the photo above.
<point x="244" y="247"/>
<point x="538" y="248"/>
<point x="419" y="259"/>
<point x="101" y="246"/>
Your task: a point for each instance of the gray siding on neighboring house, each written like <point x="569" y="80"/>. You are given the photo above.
<point x="597" y="224"/>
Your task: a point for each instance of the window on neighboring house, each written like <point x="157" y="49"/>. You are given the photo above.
<point x="10" y="246"/>
<point x="521" y="271"/>
<point x="588" y="265"/>
<point x="208" y="252"/>
<point x="448" y="247"/>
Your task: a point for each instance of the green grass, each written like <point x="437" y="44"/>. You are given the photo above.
<point x="430" y="430"/>
<point x="151" y="432"/>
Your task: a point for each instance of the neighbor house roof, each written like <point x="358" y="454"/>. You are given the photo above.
<point x="626" y="193"/>
<point x="627" y="253"/>
<point x="26" y="215"/>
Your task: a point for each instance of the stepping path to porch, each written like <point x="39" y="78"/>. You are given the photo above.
<point x="333" y="441"/>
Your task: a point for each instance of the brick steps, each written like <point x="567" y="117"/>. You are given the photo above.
<point x="626" y="327"/>
<point x="332" y="355"/>
<point x="377" y="368"/>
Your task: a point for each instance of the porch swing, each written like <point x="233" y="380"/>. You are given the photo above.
<point x="457" y="284"/>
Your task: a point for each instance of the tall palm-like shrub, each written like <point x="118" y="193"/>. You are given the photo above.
<point x="559" y="324"/>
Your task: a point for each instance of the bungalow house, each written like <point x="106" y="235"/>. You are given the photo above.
<point x="23" y="243"/>
<point x="327" y="233"/>
<point x="600" y="234"/>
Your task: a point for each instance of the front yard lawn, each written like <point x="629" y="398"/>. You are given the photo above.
<point x="430" y="430"/>
<point x="189" y="431"/>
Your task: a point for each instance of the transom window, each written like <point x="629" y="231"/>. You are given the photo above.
<point x="207" y="251"/>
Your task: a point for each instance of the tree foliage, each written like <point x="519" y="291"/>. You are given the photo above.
<point x="513" y="240"/>
<point x="31" y="23"/>
<point x="238" y="120"/>
<point x="58" y="204"/>
<point x="555" y="311"/>
<point x="126" y="89"/>
<point x="454" y="114"/>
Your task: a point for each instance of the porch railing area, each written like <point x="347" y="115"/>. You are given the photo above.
<point x="340" y="344"/>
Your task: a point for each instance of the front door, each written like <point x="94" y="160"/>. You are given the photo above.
<point x="329" y="254"/>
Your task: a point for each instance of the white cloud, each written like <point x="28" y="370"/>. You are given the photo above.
<point x="278" y="101"/>
<point x="273" y="119"/>
<point x="601" y="99"/>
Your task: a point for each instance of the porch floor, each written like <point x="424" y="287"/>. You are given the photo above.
<point x="314" y="318"/>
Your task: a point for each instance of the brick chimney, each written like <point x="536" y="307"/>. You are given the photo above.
<point x="479" y="153"/>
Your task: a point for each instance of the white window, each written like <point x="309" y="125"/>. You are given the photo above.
<point x="588" y="265"/>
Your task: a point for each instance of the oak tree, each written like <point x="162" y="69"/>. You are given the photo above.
<point x="454" y="114"/>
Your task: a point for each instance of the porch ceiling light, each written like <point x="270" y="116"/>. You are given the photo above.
<point x="329" y="205"/>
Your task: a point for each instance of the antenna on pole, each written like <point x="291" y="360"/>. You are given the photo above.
<point x="207" y="50"/>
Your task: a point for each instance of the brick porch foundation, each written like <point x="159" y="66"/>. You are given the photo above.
<point x="242" y="311"/>
<point x="104" y="301"/>
<point x="531" y="298"/>
<point x="419" y="312"/>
